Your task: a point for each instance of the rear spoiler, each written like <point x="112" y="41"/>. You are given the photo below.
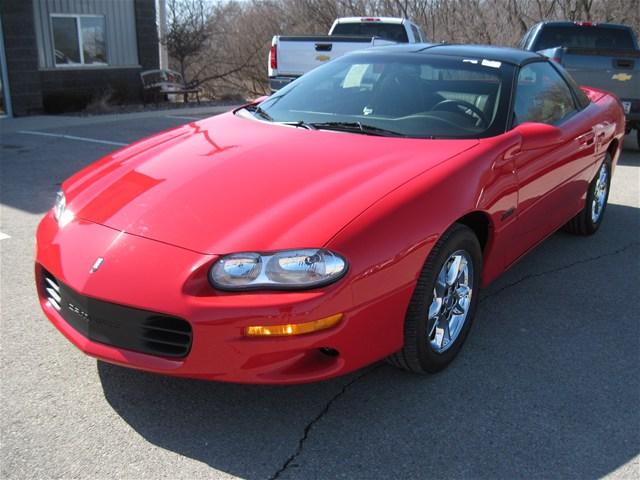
<point x="594" y="94"/>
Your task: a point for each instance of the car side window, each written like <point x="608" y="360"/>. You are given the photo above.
<point x="542" y="95"/>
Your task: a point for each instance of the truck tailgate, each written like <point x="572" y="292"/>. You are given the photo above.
<point x="299" y="54"/>
<point x="616" y="71"/>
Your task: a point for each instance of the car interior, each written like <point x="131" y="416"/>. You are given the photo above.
<point x="414" y="99"/>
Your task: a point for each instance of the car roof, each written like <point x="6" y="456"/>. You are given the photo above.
<point x="510" y="55"/>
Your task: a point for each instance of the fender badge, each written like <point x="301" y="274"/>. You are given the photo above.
<point x="96" y="265"/>
<point x="622" y="77"/>
<point x="323" y="58"/>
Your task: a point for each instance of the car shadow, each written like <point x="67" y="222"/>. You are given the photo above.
<point x="546" y="386"/>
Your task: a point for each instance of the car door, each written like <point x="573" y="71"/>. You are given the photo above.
<point x="551" y="179"/>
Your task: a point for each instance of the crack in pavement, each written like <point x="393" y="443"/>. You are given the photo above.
<point x="558" y="269"/>
<point x="307" y="430"/>
<point x="317" y="418"/>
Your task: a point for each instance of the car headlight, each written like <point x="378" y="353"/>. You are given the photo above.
<point x="60" y="211"/>
<point x="59" y="206"/>
<point x="287" y="269"/>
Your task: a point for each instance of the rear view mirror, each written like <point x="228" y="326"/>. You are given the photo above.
<point x="538" y="135"/>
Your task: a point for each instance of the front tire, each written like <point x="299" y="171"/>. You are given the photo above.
<point x="443" y="304"/>
<point x="588" y="221"/>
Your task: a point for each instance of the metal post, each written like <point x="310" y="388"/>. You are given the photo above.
<point x="6" y="92"/>
<point x="162" y="30"/>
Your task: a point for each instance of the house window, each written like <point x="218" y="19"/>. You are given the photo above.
<point x="79" y="40"/>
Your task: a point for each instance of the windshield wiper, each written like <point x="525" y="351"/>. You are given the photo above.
<point x="257" y="109"/>
<point x="300" y="123"/>
<point x="357" y="127"/>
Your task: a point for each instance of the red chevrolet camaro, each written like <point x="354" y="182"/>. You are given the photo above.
<point x="350" y="217"/>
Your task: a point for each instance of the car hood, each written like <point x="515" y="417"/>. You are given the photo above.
<point x="229" y="184"/>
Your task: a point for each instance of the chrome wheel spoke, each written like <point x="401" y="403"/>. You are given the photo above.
<point x="435" y="307"/>
<point x="442" y="336"/>
<point x="600" y="194"/>
<point x="434" y="326"/>
<point x="460" y="308"/>
<point x="453" y="272"/>
<point x="447" y="334"/>
<point x="463" y="291"/>
<point x="451" y="300"/>
<point x="455" y="323"/>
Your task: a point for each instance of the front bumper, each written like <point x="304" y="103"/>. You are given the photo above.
<point x="139" y="273"/>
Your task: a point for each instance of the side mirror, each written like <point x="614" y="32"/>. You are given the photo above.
<point x="538" y="135"/>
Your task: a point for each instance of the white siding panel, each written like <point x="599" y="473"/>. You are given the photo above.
<point x="120" y="22"/>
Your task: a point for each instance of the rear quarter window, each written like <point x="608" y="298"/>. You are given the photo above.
<point x="393" y="32"/>
<point x="542" y="95"/>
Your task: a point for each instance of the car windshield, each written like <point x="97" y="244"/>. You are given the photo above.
<point x="396" y="94"/>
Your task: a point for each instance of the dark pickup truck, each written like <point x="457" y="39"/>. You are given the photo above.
<point x="600" y="55"/>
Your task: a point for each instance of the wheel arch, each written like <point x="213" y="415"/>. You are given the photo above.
<point x="612" y="149"/>
<point x="480" y="223"/>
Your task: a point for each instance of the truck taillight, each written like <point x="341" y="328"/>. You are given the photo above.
<point x="273" y="57"/>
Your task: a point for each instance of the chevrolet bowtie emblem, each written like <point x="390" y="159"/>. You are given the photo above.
<point x="323" y="58"/>
<point x="96" y="265"/>
<point x="622" y="77"/>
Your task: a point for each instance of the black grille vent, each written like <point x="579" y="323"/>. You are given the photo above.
<point x="51" y="290"/>
<point x="116" y="325"/>
<point x="169" y="335"/>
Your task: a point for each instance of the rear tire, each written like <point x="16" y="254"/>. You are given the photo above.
<point x="443" y="304"/>
<point x="590" y="218"/>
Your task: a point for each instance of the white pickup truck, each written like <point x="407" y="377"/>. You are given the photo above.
<point x="293" y="56"/>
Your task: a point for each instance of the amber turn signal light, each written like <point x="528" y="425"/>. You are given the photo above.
<point x="292" y="328"/>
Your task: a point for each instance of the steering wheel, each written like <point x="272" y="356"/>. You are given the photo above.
<point x="458" y="105"/>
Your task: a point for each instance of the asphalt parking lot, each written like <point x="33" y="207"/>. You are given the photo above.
<point x="547" y="386"/>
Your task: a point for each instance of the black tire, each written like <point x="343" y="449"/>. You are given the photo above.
<point x="417" y="355"/>
<point x="583" y="223"/>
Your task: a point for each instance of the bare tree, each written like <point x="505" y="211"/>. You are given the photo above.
<point x="187" y="31"/>
<point x="222" y="45"/>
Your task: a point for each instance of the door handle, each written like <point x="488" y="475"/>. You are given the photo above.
<point x="586" y="139"/>
<point x="324" y="47"/>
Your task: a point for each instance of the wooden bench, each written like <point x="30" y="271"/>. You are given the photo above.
<point x="158" y="84"/>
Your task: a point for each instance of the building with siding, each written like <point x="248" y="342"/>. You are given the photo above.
<point x="58" y="55"/>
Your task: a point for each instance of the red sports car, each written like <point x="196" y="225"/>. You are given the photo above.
<point x="352" y="216"/>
